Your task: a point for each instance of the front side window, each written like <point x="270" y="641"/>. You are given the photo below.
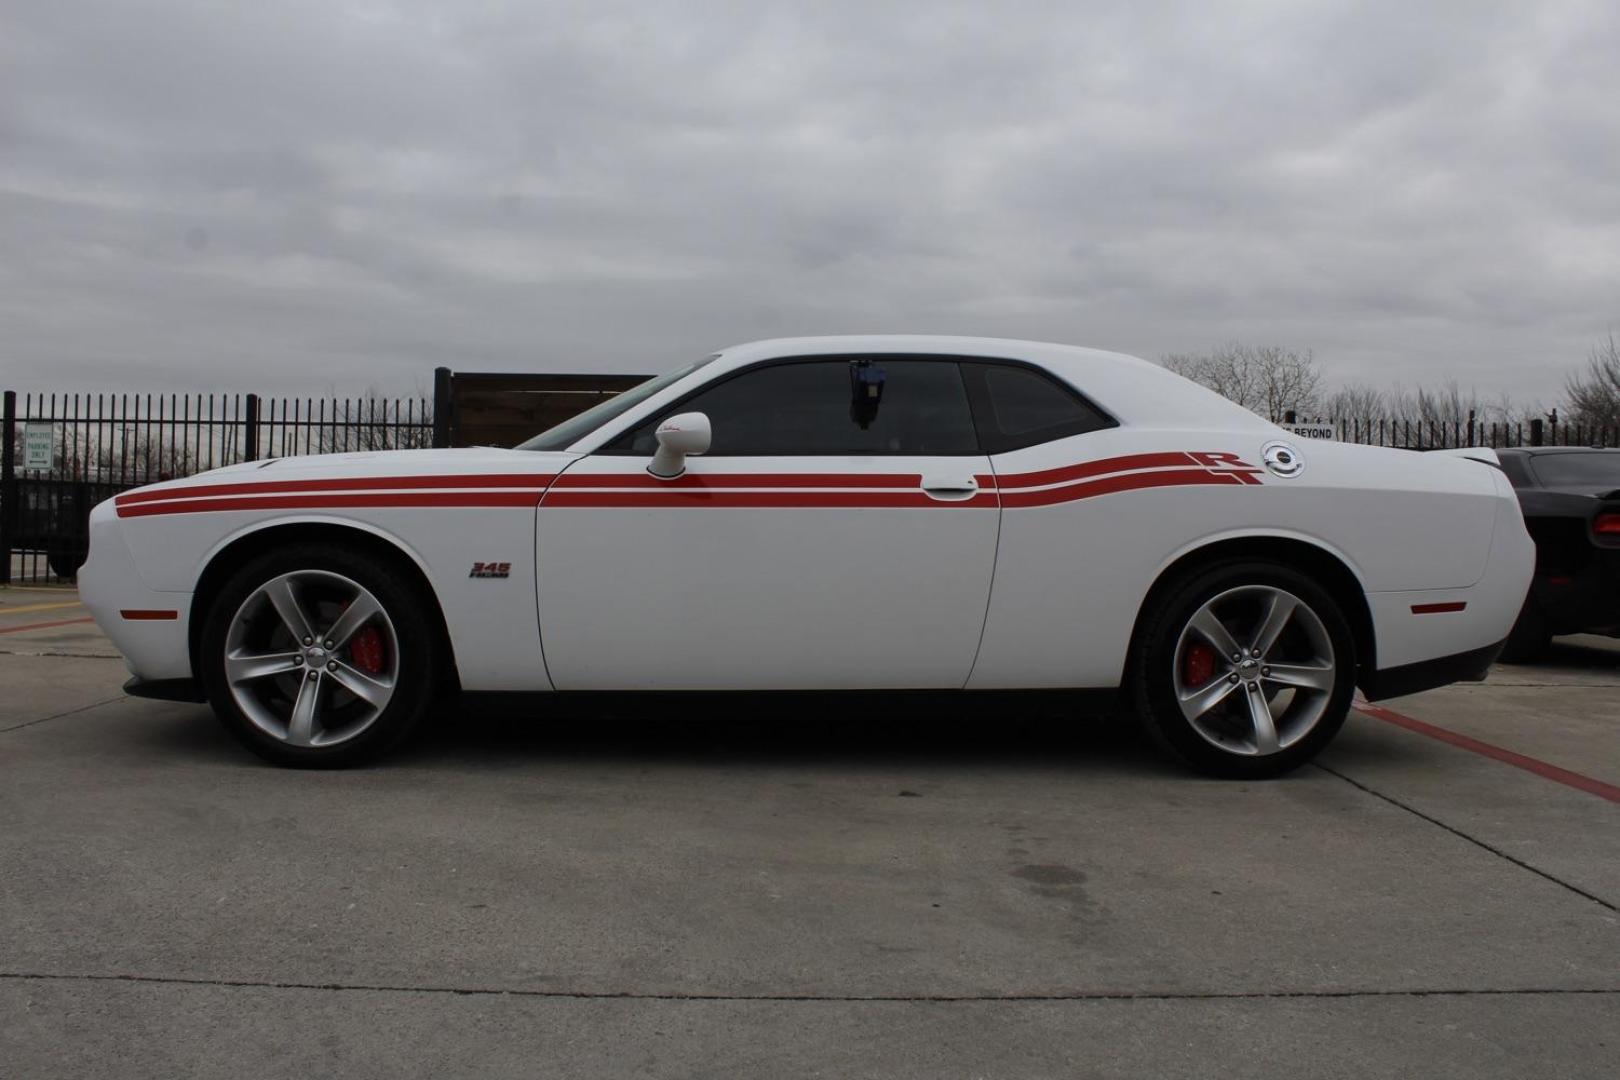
<point x="810" y="407"/>
<point x="575" y="428"/>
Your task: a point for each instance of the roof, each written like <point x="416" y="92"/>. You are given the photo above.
<point x="1134" y="390"/>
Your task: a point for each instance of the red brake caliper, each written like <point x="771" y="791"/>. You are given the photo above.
<point x="368" y="653"/>
<point x="1198" y="666"/>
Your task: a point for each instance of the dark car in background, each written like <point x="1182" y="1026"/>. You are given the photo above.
<point x="1571" y="502"/>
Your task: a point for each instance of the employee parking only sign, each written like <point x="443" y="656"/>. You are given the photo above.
<point x="37" y="442"/>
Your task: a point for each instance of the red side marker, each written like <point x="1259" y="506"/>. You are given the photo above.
<point x="1437" y="609"/>
<point x="1543" y="769"/>
<point x="144" y="614"/>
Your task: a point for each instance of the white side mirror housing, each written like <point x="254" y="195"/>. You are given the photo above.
<point x="680" y="435"/>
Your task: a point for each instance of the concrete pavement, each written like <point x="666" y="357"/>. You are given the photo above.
<point x="672" y="895"/>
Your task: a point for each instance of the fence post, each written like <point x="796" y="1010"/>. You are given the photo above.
<point x="8" y="485"/>
<point x="1288" y="416"/>
<point x="441" y="408"/>
<point x="250" y="428"/>
<point x="1470" y="427"/>
<point x="1535" y="432"/>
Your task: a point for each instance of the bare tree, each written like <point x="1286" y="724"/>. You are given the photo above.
<point x="1266" y="379"/>
<point x="1356" y="402"/>
<point x="1593" y="398"/>
<point x="373" y="422"/>
<point x="131" y="457"/>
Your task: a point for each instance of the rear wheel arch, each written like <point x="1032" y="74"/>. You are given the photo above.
<point x="240" y="550"/>
<point x="1323" y="566"/>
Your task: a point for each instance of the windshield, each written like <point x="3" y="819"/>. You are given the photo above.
<point x="1578" y="470"/>
<point x="573" y="429"/>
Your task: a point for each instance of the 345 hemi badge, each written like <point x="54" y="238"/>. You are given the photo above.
<point x="491" y="569"/>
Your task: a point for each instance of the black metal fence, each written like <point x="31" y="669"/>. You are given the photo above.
<point x="64" y="453"/>
<point x="61" y="454"/>
<point x="1451" y="434"/>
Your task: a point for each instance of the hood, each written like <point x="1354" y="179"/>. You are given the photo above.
<point x="380" y="463"/>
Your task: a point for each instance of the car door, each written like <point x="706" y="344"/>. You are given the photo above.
<point x="823" y="542"/>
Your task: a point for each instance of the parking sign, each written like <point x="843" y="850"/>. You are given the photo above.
<point x="37" y="442"/>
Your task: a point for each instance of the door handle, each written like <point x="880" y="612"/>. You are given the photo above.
<point x="963" y="488"/>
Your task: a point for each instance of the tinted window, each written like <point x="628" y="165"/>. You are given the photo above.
<point x="1020" y="406"/>
<point x="1577" y="470"/>
<point x="805" y="407"/>
<point x="1518" y="473"/>
<point x="577" y="427"/>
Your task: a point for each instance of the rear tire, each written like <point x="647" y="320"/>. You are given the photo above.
<point x="1244" y="669"/>
<point x="317" y="656"/>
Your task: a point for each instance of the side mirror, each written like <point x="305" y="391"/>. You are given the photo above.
<point x="686" y="433"/>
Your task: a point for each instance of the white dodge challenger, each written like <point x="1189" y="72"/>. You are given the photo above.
<point x="829" y="514"/>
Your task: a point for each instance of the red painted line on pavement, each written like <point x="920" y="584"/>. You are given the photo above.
<point x="43" y="625"/>
<point x="1543" y="769"/>
<point x="1436" y="609"/>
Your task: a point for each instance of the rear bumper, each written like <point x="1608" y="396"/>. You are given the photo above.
<point x="1416" y="628"/>
<point x="1469" y="666"/>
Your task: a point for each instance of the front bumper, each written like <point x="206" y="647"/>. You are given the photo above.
<point x="150" y="627"/>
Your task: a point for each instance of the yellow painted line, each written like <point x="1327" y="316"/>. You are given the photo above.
<point x="27" y="608"/>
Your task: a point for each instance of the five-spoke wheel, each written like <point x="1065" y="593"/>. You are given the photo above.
<point x="312" y="658"/>
<point x="318" y="656"/>
<point x="1245" y="668"/>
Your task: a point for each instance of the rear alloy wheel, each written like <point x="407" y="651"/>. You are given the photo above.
<point x="318" y="657"/>
<point x="1247" y="670"/>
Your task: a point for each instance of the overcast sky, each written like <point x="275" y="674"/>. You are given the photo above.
<point x="306" y="194"/>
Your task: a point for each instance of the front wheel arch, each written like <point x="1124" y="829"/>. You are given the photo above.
<point x="238" y="552"/>
<point x="1328" y="570"/>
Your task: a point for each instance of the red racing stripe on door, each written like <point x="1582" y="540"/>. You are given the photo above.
<point x="740" y="480"/>
<point x="787" y="500"/>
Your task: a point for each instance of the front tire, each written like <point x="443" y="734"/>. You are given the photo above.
<point x="1243" y="669"/>
<point x="317" y="656"/>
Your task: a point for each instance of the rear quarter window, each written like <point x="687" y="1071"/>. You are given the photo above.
<point x="1017" y="406"/>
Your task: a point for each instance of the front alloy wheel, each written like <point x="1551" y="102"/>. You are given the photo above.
<point x="319" y="656"/>
<point x="312" y="658"/>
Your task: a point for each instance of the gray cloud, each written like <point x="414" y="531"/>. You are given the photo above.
<point x="292" y="195"/>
